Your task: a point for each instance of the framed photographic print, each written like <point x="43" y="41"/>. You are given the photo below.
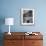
<point x="27" y="16"/>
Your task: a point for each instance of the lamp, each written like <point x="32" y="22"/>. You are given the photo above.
<point x="9" y="21"/>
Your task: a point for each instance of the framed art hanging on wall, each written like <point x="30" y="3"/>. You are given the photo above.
<point x="27" y="16"/>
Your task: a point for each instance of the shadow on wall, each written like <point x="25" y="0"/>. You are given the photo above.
<point x="2" y="21"/>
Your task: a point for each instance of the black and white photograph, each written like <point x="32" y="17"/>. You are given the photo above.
<point x="27" y="16"/>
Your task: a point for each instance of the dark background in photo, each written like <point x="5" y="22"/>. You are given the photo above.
<point x="27" y="16"/>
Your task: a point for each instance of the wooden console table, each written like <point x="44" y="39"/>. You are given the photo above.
<point x="20" y="39"/>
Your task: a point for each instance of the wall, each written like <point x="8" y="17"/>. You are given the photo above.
<point x="11" y="8"/>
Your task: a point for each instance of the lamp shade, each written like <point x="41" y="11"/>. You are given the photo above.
<point x="9" y="21"/>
